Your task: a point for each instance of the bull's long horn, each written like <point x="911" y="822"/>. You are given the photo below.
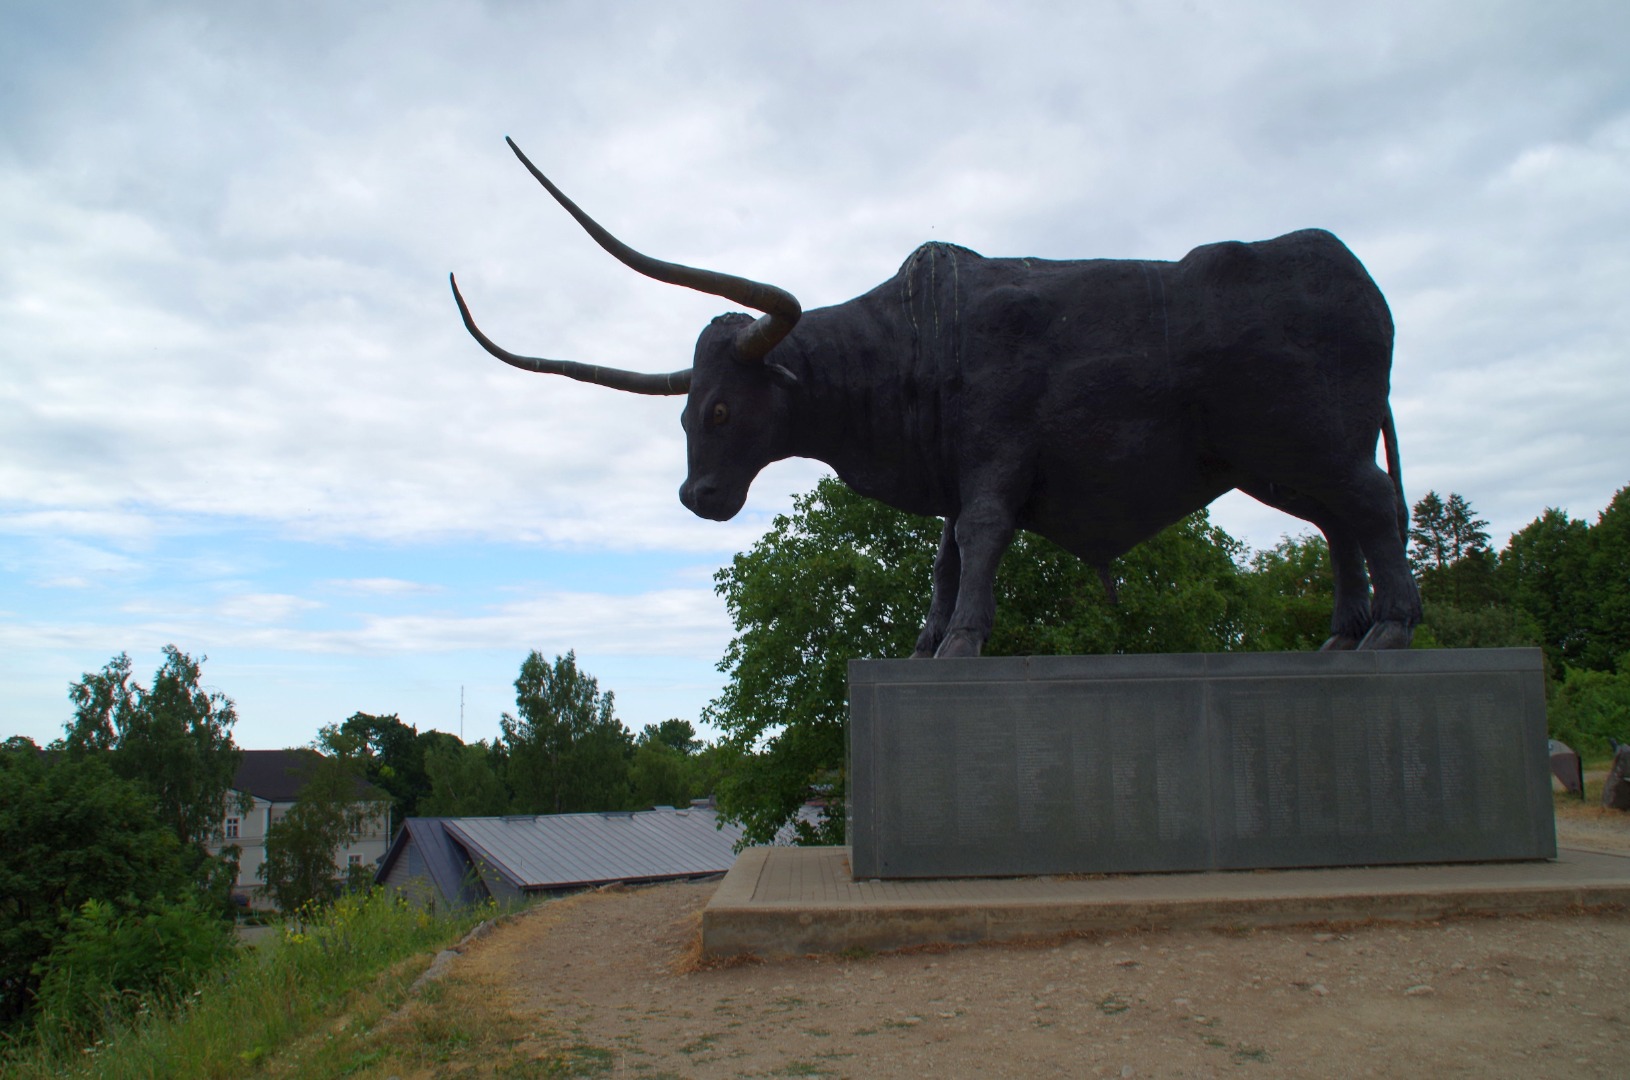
<point x="675" y="382"/>
<point x="781" y="308"/>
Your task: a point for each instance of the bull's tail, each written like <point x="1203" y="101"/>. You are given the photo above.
<point x="1389" y="436"/>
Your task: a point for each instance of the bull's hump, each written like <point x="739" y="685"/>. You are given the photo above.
<point x="938" y="248"/>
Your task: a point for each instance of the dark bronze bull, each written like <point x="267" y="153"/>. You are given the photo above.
<point x="1092" y="401"/>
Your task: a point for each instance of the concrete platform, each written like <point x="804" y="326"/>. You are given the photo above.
<point x="788" y="901"/>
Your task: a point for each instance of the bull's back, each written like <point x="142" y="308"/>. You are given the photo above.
<point x="1142" y="390"/>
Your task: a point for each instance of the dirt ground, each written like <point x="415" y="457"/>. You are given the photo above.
<point x="609" y="981"/>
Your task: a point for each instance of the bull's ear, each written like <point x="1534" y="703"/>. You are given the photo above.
<point x="781" y="375"/>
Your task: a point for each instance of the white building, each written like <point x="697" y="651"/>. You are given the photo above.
<point x="273" y="780"/>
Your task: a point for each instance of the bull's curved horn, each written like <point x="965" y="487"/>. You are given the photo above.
<point x="673" y="383"/>
<point x="781" y="308"/>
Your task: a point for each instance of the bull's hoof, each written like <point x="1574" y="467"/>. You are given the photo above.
<point x="1339" y="643"/>
<point x="957" y="643"/>
<point x="1387" y="635"/>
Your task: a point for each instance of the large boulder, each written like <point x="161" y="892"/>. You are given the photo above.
<point x="1616" y="791"/>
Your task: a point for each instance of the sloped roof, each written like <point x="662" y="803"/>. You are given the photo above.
<point x="446" y="864"/>
<point x="562" y="851"/>
<point x="556" y="851"/>
<point x="280" y="775"/>
<point x="275" y="775"/>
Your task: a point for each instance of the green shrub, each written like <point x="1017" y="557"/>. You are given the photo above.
<point x="1590" y="707"/>
<point x="240" y="1016"/>
<point x="113" y="964"/>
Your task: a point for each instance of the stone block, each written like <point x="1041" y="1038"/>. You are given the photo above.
<point x="1111" y="764"/>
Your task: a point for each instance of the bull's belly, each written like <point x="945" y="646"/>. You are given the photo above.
<point x="1098" y="521"/>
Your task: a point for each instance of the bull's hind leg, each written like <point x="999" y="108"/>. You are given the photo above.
<point x="1365" y="509"/>
<point x="947" y="571"/>
<point x="1396" y="606"/>
<point x="1350" y="616"/>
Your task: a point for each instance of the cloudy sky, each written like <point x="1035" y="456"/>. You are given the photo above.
<point x="238" y="412"/>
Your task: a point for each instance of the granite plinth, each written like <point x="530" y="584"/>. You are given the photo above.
<point x="1019" y="766"/>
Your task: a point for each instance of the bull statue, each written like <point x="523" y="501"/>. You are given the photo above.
<point x="1092" y="401"/>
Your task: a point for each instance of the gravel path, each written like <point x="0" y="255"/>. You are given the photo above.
<point x="615" y="971"/>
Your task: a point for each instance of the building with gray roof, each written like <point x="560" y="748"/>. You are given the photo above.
<point x="464" y="860"/>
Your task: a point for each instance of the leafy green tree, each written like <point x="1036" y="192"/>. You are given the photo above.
<point x="1608" y="584"/>
<point x="566" y="750"/>
<point x="393" y="758"/>
<point x="1543" y="573"/>
<point x="1291" y="587"/>
<point x="1444" y="532"/>
<point x="465" y="781"/>
<point x="71" y="831"/>
<point x="331" y="812"/>
<point x="1485" y="626"/>
<point x="658" y="776"/>
<point x="841" y="576"/>
<point x="844" y="576"/>
<point x="174" y="738"/>
<point x="1449" y="549"/>
<point x="678" y="734"/>
<point x="671" y="766"/>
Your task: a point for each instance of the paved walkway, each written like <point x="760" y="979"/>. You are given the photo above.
<point x="792" y="901"/>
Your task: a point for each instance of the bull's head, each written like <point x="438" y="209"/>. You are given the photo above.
<point x="733" y="418"/>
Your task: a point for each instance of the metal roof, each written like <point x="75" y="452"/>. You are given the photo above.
<point x="446" y="865"/>
<point x="557" y="851"/>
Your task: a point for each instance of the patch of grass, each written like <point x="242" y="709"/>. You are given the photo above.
<point x="701" y="1044"/>
<point x="1113" y="1005"/>
<point x="802" y="1068"/>
<point x="358" y="955"/>
<point x="856" y="952"/>
<point x="1244" y="1053"/>
<point x="571" y="1061"/>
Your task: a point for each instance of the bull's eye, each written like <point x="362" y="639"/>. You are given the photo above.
<point x="721" y="413"/>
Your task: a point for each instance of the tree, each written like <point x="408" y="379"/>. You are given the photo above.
<point x="677" y="734"/>
<point x="173" y="738"/>
<point x="671" y="765"/>
<point x="1291" y="586"/>
<point x="1608" y="577"/>
<point x="1543" y="572"/>
<point x="566" y="749"/>
<point x="1444" y="532"/>
<point x="71" y="831"/>
<point x="465" y="781"/>
<point x="330" y="813"/>
<point x="841" y="576"/>
<point x="393" y="758"/>
<point x="844" y="576"/>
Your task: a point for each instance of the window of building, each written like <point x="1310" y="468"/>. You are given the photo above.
<point x="353" y="860"/>
<point x="231" y="828"/>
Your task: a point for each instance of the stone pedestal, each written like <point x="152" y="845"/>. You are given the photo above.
<point x="1110" y="764"/>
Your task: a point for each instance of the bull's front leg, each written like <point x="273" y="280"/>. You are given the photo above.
<point x="983" y="531"/>
<point x="947" y="569"/>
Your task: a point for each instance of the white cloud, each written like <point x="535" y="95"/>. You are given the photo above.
<point x="381" y="586"/>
